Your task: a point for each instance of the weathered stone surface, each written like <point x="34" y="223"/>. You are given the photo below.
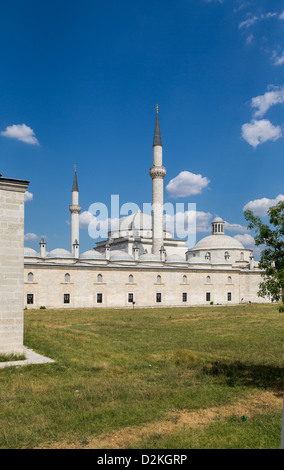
<point x="11" y="264"/>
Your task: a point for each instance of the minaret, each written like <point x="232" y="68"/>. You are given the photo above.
<point x="157" y="173"/>
<point x="75" y="211"/>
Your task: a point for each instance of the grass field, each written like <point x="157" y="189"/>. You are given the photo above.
<point x="207" y="377"/>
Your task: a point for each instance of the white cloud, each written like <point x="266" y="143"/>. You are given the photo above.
<point x="21" y="132"/>
<point x="187" y="184"/>
<point x="249" y="39"/>
<point x="188" y="221"/>
<point x="278" y="60"/>
<point x="262" y="103"/>
<point x="261" y="206"/>
<point x="31" y="237"/>
<point x="281" y="16"/>
<point x="86" y="217"/>
<point x="246" y="239"/>
<point x="258" y="132"/>
<point x="28" y="196"/>
<point x="253" y="19"/>
<point x="242" y="6"/>
<point x="249" y="22"/>
<point x="235" y="227"/>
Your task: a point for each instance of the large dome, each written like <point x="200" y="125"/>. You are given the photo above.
<point x="218" y="242"/>
<point x="138" y="221"/>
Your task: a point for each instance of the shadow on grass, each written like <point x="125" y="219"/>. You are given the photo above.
<point x="252" y="375"/>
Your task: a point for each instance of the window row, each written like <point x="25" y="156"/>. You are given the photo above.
<point x="208" y="280"/>
<point x="226" y="256"/>
<point x="130" y="298"/>
<point x="209" y="297"/>
<point x="100" y="297"/>
<point x="100" y="278"/>
<point x="131" y="279"/>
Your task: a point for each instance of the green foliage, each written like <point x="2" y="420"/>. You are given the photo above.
<point x="42" y="308"/>
<point x="272" y="256"/>
<point x="281" y="308"/>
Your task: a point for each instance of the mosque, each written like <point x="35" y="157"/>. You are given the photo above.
<point x="141" y="264"/>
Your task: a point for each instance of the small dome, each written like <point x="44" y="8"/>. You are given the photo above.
<point x="175" y="259"/>
<point x="116" y="255"/>
<point x="29" y="252"/>
<point x="59" y="253"/>
<point x="149" y="257"/>
<point x="217" y="219"/>
<point x="218" y="242"/>
<point x="92" y="254"/>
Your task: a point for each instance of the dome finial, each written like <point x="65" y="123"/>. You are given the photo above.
<point x="157" y="108"/>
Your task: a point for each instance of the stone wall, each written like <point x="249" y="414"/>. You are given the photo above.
<point x="11" y="264"/>
<point x="48" y="286"/>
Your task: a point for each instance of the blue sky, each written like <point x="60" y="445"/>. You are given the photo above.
<point x="79" y="83"/>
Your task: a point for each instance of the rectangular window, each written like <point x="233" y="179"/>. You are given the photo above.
<point x="229" y="296"/>
<point x="184" y="296"/>
<point x="30" y="299"/>
<point x="158" y="297"/>
<point x="99" y="298"/>
<point x="130" y="298"/>
<point x="208" y="296"/>
<point x="66" y="298"/>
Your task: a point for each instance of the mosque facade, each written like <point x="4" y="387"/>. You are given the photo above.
<point x="141" y="264"/>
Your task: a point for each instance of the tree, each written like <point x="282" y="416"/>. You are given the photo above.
<point x="272" y="256"/>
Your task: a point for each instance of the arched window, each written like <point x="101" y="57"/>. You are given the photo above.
<point x="242" y="256"/>
<point x="184" y="279"/>
<point x="229" y="280"/>
<point x="208" y="280"/>
<point x="67" y="277"/>
<point x="159" y="279"/>
<point x="30" y="277"/>
<point x="100" y="278"/>
<point x="208" y="255"/>
<point x="130" y="279"/>
<point x="226" y="255"/>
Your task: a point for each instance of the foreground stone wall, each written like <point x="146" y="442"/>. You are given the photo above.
<point x="11" y="264"/>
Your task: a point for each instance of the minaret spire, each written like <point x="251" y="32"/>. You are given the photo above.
<point x="157" y="134"/>
<point x="75" y="182"/>
<point x="75" y="210"/>
<point x="157" y="173"/>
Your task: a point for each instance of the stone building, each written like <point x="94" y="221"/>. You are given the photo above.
<point x="12" y="192"/>
<point x="141" y="263"/>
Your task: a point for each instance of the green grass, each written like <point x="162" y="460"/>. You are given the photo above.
<point x="12" y="357"/>
<point x="121" y="368"/>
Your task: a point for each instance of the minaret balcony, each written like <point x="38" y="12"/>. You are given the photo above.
<point x="75" y="208"/>
<point x="157" y="172"/>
